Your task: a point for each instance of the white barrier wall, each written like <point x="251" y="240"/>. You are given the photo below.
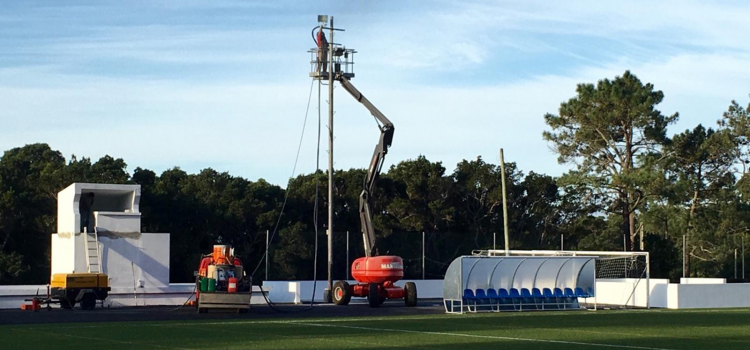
<point x="697" y="296"/>
<point x="663" y="294"/>
<point x="685" y="280"/>
<point x="631" y="292"/>
<point x="176" y="294"/>
<point x="300" y="291"/>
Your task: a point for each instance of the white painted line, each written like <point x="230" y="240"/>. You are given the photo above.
<point x="487" y="337"/>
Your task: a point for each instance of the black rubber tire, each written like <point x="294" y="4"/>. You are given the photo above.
<point x="341" y="293"/>
<point x="381" y="300"/>
<point x="67" y="303"/>
<point x="373" y="298"/>
<point x="88" y="302"/>
<point x="411" y="294"/>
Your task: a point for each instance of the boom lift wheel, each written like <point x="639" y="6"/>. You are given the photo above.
<point x="373" y="297"/>
<point x="341" y="293"/>
<point x="411" y="294"/>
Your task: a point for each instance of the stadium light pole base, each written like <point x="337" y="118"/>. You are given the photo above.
<point x="327" y="296"/>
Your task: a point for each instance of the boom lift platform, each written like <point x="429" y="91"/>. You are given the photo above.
<point x="375" y="274"/>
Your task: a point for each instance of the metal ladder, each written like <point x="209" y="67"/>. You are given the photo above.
<point x="93" y="258"/>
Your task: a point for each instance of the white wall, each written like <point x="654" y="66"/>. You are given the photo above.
<point x="618" y="292"/>
<point x="685" y="280"/>
<point x="301" y="291"/>
<point x="692" y="296"/>
<point x="140" y="259"/>
<point x="68" y="202"/>
<point x="11" y="297"/>
<point x="107" y="221"/>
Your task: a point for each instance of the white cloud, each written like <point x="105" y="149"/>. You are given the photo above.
<point x="411" y="64"/>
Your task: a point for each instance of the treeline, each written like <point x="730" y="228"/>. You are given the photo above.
<point x="630" y="180"/>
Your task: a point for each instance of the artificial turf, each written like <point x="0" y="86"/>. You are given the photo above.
<point x="635" y="329"/>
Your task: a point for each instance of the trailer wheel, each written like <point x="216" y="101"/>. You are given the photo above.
<point x="88" y="302"/>
<point x="341" y="293"/>
<point x="411" y="294"/>
<point x="373" y="297"/>
<point x="66" y="303"/>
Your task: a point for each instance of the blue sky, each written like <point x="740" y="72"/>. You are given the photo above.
<point x="224" y="84"/>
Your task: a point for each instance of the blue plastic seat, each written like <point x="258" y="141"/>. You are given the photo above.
<point x="569" y="293"/>
<point x="502" y="293"/>
<point x="481" y="294"/>
<point x="535" y="293"/>
<point x="559" y="293"/>
<point x="590" y="292"/>
<point x="492" y="294"/>
<point x="469" y="294"/>
<point x="525" y="293"/>
<point x="547" y="293"/>
<point x="580" y="293"/>
<point x="514" y="293"/>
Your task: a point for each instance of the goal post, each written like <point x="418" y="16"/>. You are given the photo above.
<point x="625" y="277"/>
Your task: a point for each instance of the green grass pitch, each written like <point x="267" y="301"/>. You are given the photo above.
<point x="636" y="329"/>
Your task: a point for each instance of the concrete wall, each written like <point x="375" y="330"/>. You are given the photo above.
<point x="136" y="259"/>
<point x="140" y="258"/>
<point x="703" y="280"/>
<point x="110" y="221"/>
<point x="108" y="197"/>
<point x="694" y="296"/>
<point x="300" y="291"/>
<point x="621" y="292"/>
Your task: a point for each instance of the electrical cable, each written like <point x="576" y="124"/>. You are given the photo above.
<point x="315" y="215"/>
<point x="294" y="171"/>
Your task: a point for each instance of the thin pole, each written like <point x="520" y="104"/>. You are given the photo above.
<point x="743" y="256"/>
<point x="347" y="254"/>
<point x="422" y="254"/>
<point x="330" y="165"/>
<point x="494" y="240"/>
<point x="624" y="244"/>
<point x="266" y="255"/>
<point x="505" y="204"/>
<point x="562" y="242"/>
<point x="684" y="251"/>
<point x="648" y="280"/>
<point x="735" y="263"/>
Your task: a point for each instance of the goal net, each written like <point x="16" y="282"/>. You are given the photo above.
<point x="622" y="278"/>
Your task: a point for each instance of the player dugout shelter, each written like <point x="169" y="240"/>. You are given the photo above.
<point x="486" y="280"/>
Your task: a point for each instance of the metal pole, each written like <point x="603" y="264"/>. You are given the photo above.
<point x="684" y="250"/>
<point x="347" y="254"/>
<point x="505" y="205"/>
<point x="624" y="243"/>
<point x="735" y="263"/>
<point x="422" y="254"/>
<point x="330" y="165"/>
<point x="562" y="242"/>
<point x="494" y="240"/>
<point x="743" y="255"/>
<point x="266" y="255"/>
<point x="648" y="280"/>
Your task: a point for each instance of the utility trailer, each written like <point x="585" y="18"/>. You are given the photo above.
<point x="221" y="282"/>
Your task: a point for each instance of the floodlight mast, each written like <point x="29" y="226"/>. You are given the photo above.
<point x="335" y="73"/>
<point x="328" y="295"/>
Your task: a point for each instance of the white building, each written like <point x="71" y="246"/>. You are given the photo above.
<point x="99" y="230"/>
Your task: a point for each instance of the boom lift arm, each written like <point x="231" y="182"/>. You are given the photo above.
<point x="376" y="164"/>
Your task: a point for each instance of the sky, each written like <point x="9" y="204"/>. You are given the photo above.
<point x="224" y="84"/>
